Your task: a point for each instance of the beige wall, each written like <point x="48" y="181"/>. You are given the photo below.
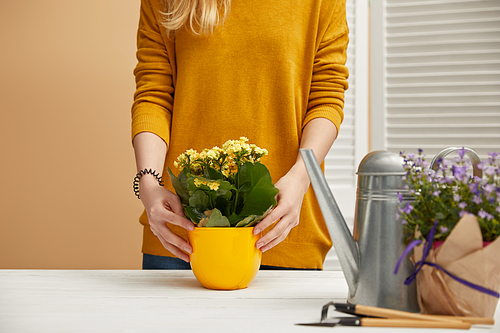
<point x="67" y="166"/>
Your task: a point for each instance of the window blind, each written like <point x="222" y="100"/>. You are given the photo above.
<point x="442" y="75"/>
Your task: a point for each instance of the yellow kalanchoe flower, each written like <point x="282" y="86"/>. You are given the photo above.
<point x="225" y="159"/>
<point x="214" y="185"/>
<point x="197" y="182"/>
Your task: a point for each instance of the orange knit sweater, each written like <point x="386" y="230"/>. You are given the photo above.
<point x="271" y="68"/>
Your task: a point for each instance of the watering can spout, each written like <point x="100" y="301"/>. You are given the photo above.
<point x="343" y="242"/>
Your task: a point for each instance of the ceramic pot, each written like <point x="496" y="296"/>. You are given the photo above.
<point x="224" y="258"/>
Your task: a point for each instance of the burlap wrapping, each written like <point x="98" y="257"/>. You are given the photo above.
<point x="462" y="254"/>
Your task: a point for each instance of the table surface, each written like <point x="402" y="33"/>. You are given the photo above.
<point x="171" y="301"/>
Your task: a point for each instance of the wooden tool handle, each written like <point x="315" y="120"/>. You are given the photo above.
<point x="472" y="320"/>
<point x="389" y="313"/>
<point x="382" y="322"/>
<point x="396" y="314"/>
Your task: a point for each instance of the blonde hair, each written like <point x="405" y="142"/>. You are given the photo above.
<point x="201" y="17"/>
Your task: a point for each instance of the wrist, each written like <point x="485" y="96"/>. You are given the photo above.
<point x="148" y="181"/>
<point x="146" y="178"/>
<point x="299" y="173"/>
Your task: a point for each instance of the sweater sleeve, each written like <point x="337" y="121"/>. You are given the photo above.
<point x="153" y="99"/>
<point x="329" y="79"/>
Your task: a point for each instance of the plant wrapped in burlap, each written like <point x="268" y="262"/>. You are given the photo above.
<point x="463" y="256"/>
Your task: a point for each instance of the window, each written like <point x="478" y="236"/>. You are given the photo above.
<point x="436" y="75"/>
<point x="433" y="82"/>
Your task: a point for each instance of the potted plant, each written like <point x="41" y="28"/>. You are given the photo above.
<point x="225" y="192"/>
<point x="449" y="206"/>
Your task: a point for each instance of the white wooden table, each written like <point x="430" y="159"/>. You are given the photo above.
<point x="170" y="301"/>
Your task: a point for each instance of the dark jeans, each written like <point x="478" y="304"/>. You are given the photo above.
<point x="150" y="261"/>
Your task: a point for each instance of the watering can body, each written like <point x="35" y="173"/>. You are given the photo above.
<point x="369" y="256"/>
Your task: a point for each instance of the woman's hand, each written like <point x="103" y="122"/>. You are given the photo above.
<point x="163" y="206"/>
<point x="318" y="135"/>
<point x="292" y="188"/>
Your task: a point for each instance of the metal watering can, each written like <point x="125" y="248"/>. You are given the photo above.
<point x="369" y="256"/>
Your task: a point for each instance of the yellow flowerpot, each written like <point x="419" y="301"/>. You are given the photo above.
<point x="224" y="258"/>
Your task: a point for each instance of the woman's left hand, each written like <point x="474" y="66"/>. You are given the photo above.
<point x="292" y="188"/>
<point x="318" y="135"/>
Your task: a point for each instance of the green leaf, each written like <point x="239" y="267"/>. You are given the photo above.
<point x="211" y="173"/>
<point x="252" y="173"/>
<point x="439" y="216"/>
<point x="245" y="221"/>
<point x="180" y="185"/>
<point x="234" y="218"/>
<point x="245" y="188"/>
<point x="195" y="213"/>
<point x="259" y="198"/>
<point x="223" y="205"/>
<point x="259" y="218"/>
<point x="218" y="220"/>
<point x="199" y="197"/>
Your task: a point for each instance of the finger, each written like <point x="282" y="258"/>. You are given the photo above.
<point x="277" y="234"/>
<point x="274" y="242"/>
<point x="172" y="242"/>
<point x="173" y="218"/>
<point x="176" y="252"/>
<point x="272" y="217"/>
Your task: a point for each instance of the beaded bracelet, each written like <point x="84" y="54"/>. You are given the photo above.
<point x="141" y="173"/>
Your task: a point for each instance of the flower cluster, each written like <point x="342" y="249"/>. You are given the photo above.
<point x="225" y="187"/>
<point x="225" y="160"/>
<point x="448" y="191"/>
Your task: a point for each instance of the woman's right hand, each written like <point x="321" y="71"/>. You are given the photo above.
<point x="164" y="206"/>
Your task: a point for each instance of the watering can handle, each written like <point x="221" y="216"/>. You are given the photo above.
<point x="474" y="158"/>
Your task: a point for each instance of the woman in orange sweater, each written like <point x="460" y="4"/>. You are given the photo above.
<point x="214" y="70"/>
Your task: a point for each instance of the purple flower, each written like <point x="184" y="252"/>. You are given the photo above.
<point x="458" y="171"/>
<point x="462" y="205"/>
<point x="400" y="197"/>
<point x="477" y="199"/>
<point x="462" y="213"/>
<point x="489" y="170"/>
<point x="456" y="197"/>
<point x="408" y="208"/>
<point x="498" y="209"/>
<point x="436" y="193"/>
<point x="404" y="222"/>
<point x="483" y="214"/>
<point x="461" y="152"/>
<point x="443" y="229"/>
<point x="488" y="188"/>
<point x="420" y="151"/>
<point x="473" y="188"/>
<point x="493" y="155"/>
